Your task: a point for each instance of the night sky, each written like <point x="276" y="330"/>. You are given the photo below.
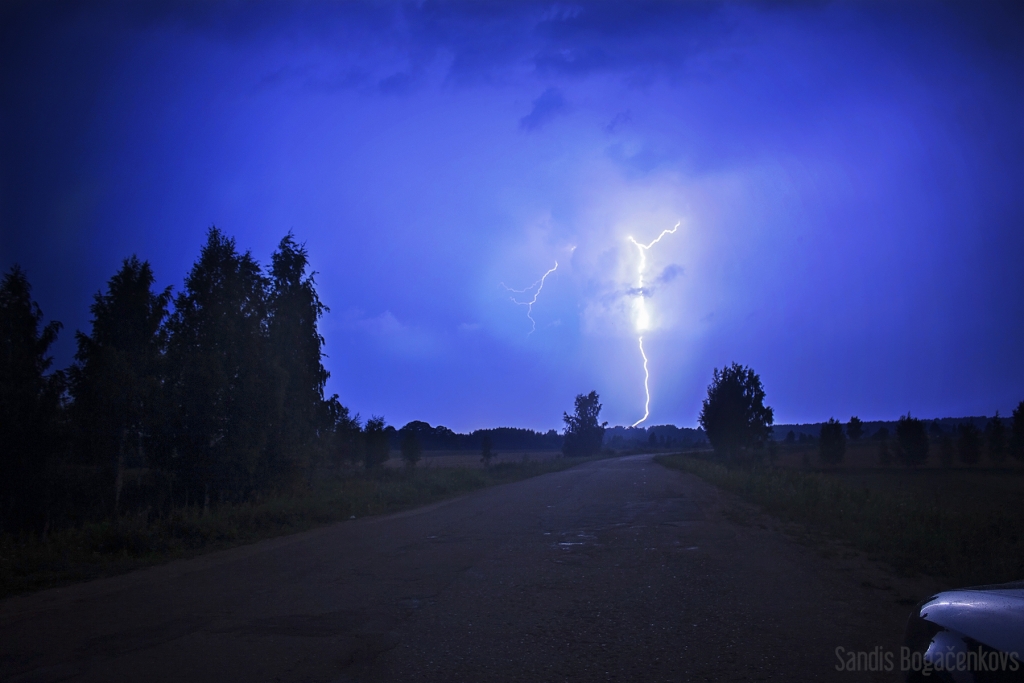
<point x="848" y="179"/>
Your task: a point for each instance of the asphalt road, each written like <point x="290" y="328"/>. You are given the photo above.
<point x="617" y="570"/>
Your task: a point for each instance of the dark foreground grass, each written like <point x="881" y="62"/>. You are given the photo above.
<point x="914" y="528"/>
<point x="106" y="548"/>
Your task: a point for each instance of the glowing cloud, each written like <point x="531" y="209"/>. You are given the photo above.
<point x="643" y="318"/>
<point x="536" y="288"/>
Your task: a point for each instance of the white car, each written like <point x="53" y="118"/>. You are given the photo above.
<point x="969" y="635"/>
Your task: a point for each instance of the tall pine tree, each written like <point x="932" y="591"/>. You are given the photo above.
<point x="29" y="405"/>
<point x="296" y="350"/>
<point x="116" y="380"/>
<point x="220" y="378"/>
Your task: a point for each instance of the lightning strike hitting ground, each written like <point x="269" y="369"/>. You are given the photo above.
<point x="539" y="285"/>
<point x="643" y="319"/>
<point x="647" y="376"/>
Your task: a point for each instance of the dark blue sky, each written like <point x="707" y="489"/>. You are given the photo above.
<point x="848" y="179"/>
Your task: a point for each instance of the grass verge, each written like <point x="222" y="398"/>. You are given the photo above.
<point x="912" y="531"/>
<point x="99" y="549"/>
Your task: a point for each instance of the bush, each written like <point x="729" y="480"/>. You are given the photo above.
<point x="911" y="441"/>
<point x="995" y="439"/>
<point x="376" y="448"/>
<point x="832" y="442"/>
<point x="411" y="448"/>
<point x="855" y="428"/>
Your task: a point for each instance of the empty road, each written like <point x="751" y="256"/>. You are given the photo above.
<point x="616" y="570"/>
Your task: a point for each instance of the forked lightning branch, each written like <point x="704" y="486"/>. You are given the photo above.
<point x="641" y="317"/>
<point x="536" y="288"/>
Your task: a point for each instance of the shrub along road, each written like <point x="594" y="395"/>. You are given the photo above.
<point x="617" y="569"/>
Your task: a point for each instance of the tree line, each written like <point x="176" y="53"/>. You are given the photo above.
<point x="913" y="441"/>
<point x="655" y="436"/>
<point x="739" y="426"/>
<point x="441" y="438"/>
<point x="213" y="394"/>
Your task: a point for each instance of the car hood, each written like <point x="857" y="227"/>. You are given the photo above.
<point x="991" y="615"/>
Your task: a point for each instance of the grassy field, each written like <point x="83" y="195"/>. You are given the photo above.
<point x="963" y="526"/>
<point x="859" y="455"/>
<point x="112" y="547"/>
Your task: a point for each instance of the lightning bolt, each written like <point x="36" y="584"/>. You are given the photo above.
<point x="539" y="285"/>
<point x="643" y="319"/>
<point x="647" y="376"/>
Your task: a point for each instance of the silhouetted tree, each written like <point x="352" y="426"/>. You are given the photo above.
<point x="734" y="415"/>
<point x="884" y="452"/>
<point x="427" y="436"/>
<point x="790" y="436"/>
<point x="911" y="441"/>
<point x="995" y="439"/>
<point x="486" y="452"/>
<point x="224" y="396"/>
<point x="346" y="438"/>
<point x="411" y="448"/>
<point x="583" y="433"/>
<point x="296" y="354"/>
<point x="1017" y="432"/>
<point x="855" y="428"/>
<point x="29" y="405"/>
<point x="376" y="446"/>
<point x="832" y="442"/>
<point x="116" y="379"/>
<point x="968" y="443"/>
